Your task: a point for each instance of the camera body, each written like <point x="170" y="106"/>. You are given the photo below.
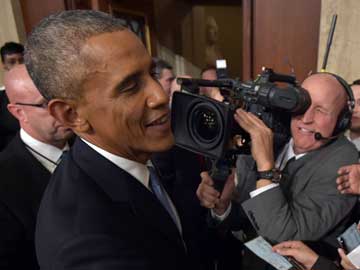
<point x="207" y="126"/>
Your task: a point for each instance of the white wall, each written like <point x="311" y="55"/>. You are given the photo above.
<point x="344" y="58"/>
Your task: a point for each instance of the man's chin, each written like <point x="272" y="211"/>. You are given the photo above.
<point x="164" y="145"/>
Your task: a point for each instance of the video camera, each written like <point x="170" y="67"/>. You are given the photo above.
<point x="207" y="126"/>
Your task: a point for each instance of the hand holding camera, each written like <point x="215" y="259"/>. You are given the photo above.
<point x="261" y="139"/>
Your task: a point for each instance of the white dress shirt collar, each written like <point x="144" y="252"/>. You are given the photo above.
<point x="286" y="154"/>
<point x="138" y="170"/>
<point x="48" y="155"/>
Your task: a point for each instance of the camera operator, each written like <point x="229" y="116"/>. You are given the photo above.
<point x="304" y="204"/>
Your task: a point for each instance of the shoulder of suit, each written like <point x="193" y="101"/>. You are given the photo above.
<point x="338" y="153"/>
<point x="16" y="155"/>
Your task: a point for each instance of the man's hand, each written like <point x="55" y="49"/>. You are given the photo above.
<point x="211" y="198"/>
<point x="348" y="180"/>
<point x="299" y="251"/>
<point x="345" y="262"/>
<point x="261" y="139"/>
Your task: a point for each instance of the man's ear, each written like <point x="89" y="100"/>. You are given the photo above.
<point x="17" y="112"/>
<point x="65" y="111"/>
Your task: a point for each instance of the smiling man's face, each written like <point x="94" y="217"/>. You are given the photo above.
<point x="328" y="98"/>
<point x="125" y="107"/>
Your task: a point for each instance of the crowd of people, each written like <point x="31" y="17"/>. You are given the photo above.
<point x="91" y="178"/>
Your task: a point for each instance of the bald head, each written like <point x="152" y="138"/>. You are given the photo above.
<point x="328" y="99"/>
<point x="18" y="84"/>
<point x="30" y="108"/>
<point x="328" y="86"/>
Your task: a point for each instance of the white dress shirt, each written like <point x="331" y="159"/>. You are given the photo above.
<point x="138" y="170"/>
<point x="48" y="155"/>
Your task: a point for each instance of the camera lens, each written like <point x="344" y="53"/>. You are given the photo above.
<point x="205" y="125"/>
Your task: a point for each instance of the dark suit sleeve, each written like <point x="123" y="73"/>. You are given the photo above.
<point x="324" y="264"/>
<point x="100" y="252"/>
<point x="311" y="211"/>
<point x="12" y="240"/>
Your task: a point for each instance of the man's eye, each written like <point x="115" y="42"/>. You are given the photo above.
<point x="129" y="87"/>
<point x="322" y="111"/>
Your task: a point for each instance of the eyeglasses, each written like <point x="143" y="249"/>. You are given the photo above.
<point x="39" y="105"/>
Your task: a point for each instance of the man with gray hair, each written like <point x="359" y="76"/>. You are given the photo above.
<point x="163" y="72"/>
<point x="105" y="207"/>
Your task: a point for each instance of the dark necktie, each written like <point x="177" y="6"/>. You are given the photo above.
<point x="62" y="156"/>
<point x="159" y="192"/>
<point x="288" y="163"/>
<point x="286" y="172"/>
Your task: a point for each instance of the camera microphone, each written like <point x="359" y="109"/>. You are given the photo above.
<point x="320" y="137"/>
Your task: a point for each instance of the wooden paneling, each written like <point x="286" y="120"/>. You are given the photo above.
<point x="144" y="7"/>
<point x="34" y="10"/>
<point x="286" y="33"/>
<point x="247" y="52"/>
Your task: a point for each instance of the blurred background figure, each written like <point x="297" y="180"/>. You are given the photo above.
<point x="209" y="73"/>
<point x="164" y="74"/>
<point x="12" y="54"/>
<point x="353" y="133"/>
<point x="311" y="260"/>
<point x="212" y="50"/>
<point x="174" y="87"/>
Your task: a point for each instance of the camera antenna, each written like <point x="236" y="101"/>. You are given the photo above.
<point x="329" y="41"/>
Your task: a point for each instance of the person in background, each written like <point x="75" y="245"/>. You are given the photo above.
<point x="164" y="74"/>
<point x="26" y="165"/>
<point x="309" y="258"/>
<point x="209" y="73"/>
<point x="12" y="54"/>
<point x="353" y="134"/>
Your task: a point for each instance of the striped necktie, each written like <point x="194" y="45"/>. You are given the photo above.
<point x="161" y="195"/>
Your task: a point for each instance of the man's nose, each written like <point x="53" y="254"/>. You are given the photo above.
<point x="157" y="96"/>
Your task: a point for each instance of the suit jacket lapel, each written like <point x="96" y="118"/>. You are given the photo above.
<point x="304" y="167"/>
<point x="29" y="183"/>
<point x="122" y="187"/>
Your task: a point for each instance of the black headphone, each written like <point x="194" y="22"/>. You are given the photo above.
<point x="344" y="118"/>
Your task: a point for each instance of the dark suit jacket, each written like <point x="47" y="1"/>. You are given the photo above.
<point x="180" y="172"/>
<point x="95" y="215"/>
<point x="9" y="125"/>
<point x="325" y="264"/>
<point x="22" y="183"/>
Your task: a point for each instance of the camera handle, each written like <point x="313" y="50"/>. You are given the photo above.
<point x="220" y="171"/>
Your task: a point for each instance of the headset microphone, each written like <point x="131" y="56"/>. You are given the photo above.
<point x="320" y="137"/>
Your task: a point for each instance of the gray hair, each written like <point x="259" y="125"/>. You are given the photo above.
<point x="52" y="51"/>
